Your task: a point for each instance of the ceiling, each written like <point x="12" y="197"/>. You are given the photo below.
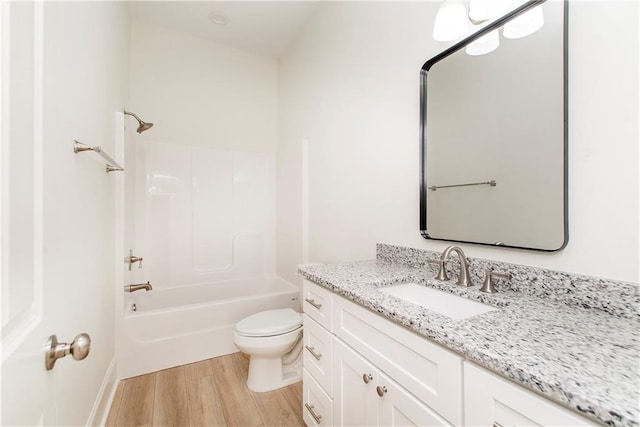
<point x="265" y="28"/>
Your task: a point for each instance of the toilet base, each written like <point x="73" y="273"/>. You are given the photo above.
<point x="268" y="373"/>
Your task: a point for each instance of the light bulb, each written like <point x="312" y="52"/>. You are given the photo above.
<point x="482" y="10"/>
<point x="451" y="21"/>
<point x="525" y="24"/>
<point x="484" y="44"/>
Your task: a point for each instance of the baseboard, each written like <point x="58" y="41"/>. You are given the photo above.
<point x="102" y="404"/>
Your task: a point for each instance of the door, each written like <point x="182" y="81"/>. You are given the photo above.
<point x="397" y="407"/>
<point x="25" y="391"/>
<point x="57" y="262"/>
<point x="354" y="381"/>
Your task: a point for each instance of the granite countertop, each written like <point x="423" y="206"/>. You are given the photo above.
<point x="584" y="359"/>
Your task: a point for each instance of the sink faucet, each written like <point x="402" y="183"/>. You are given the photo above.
<point x="132" y="288"/>
<point x="463" y="278"/>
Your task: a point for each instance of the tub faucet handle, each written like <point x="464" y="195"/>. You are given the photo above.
<point x="132" y="259"/>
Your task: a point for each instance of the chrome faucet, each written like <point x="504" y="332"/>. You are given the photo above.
<point x="464" y="278"/>
<point x="132" y="288"/>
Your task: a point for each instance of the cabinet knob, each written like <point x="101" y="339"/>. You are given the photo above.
<point x="366" y="378"/>
<point x="381" y="390"/>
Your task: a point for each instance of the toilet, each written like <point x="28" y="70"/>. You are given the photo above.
<point x="273" y="340"/>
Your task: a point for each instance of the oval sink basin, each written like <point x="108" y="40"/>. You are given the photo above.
<point x="441" y="302"/>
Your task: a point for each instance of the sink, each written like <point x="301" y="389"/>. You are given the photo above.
<point x="441" y="302"/>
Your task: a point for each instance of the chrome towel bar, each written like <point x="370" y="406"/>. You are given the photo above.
<point x="435" y="187"/>
<point x="112" y="165"/>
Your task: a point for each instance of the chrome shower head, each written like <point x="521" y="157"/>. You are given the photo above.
<point x="143" y="125"/>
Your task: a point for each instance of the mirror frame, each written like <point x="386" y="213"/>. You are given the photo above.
<point x="423" y="120"/>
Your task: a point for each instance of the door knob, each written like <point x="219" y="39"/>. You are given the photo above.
<point x="79" y="349"/>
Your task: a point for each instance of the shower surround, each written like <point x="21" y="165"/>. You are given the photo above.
<point x="204" y="221"/>
<point x="203" y="215"/>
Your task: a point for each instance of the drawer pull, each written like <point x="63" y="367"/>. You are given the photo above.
<point x="366" y="378"/>
<point x="315" y="416"/>
<point x="311" y="350"/>
<point x="381" y="390"/>
<point x="496" y="424"/>
<point x="313" y="303"/>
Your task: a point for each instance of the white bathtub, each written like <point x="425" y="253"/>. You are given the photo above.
<point x="181" y="325"/>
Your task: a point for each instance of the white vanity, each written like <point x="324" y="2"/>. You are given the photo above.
<point x="361" y="369"/>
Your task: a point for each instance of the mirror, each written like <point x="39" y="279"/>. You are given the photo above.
<point x="494" y="138"/>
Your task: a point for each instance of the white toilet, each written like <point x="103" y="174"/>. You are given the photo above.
<point x="273" y="340"/>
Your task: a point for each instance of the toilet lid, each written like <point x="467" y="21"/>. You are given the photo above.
<point x="268" y="323"/>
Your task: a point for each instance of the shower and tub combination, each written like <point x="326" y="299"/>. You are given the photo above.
<point x="205" y="225"/>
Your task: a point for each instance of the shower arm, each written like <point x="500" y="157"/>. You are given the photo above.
<point x="134" y="115"/>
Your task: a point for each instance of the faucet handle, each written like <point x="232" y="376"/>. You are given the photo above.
<point x="442" y="273"/>
<point x="487" y="285"/>
<point x="132" y="258"/>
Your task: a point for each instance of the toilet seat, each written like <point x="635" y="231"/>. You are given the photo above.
<point x="269" y="323"/>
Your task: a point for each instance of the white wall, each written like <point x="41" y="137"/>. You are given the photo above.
<point x="85" y="85"/>
<point x="350" y="86"/>
<point x="198" y="92"/>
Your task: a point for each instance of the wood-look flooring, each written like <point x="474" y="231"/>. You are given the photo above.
<point x="212" y="392"/>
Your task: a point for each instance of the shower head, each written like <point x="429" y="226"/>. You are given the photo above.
<point x="143" y="125"/>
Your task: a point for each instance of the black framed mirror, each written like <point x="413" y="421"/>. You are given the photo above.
<point x="493" y="132"/>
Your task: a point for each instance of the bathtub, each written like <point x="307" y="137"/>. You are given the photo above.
<point x="181" y="325"/>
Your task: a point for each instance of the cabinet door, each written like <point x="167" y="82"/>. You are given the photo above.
<point x="492" y="400"/>
<point x="354" y="385"/>
<point x="397" y="407"/>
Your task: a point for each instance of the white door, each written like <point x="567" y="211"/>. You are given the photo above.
<point x="355" y="400"/>
<point x="25" y="390"/>
<point x="56" y="208"/>
<point x="397" y="407"/>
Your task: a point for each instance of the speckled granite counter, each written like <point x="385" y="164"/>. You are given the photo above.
<point x="585" y="359"/>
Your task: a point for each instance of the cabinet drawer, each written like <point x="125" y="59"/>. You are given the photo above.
<point x="493" y="400"/>
<point x="427" y="370"/>
<point x="318" y="353"/>
<point x="317" y="302"/>
<point x="317" y="407"/>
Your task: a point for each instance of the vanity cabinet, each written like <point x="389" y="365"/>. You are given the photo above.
<point x="361" y="369"/>
<point x="492" y="400"/>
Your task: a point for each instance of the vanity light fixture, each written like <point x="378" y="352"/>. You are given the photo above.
<point x="453" y="22"/>
<point x="485" y="44"/>
<point x="483" y="10"/>
<point x="525" y="24"/>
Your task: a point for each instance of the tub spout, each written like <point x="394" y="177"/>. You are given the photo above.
<point x="132" y="288"/>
